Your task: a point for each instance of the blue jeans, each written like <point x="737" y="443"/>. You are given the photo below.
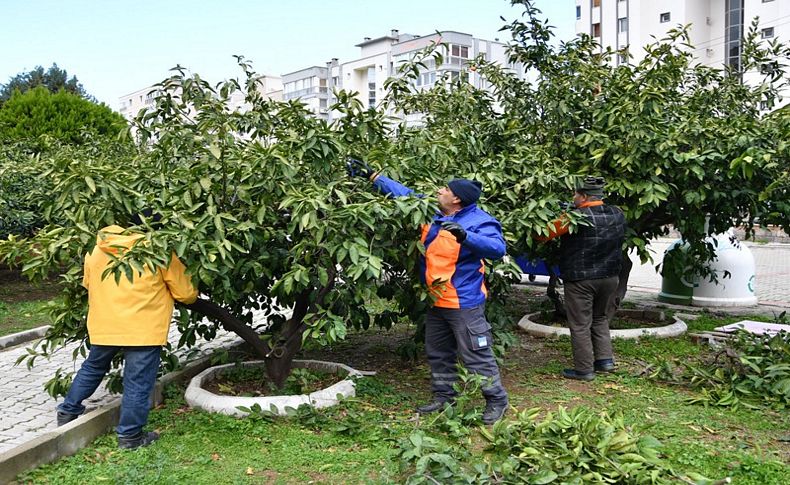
<point x="139" y="376"/>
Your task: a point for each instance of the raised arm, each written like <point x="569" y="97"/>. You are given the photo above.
<point x="390" y="187"/>
<point x="486" y="240"/>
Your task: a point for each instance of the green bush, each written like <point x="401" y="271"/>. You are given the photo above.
<point x="63" y="116"/>
<point x="19" y="186"/>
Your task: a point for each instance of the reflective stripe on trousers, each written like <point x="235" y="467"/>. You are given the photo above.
<point x="451" y="333"/>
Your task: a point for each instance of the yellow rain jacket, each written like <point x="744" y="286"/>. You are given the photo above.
<point x="137" y="313"/>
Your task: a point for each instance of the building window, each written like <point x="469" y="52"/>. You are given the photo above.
<point x="459" y="51"/>
<point x="622" y="25"/>
<point x="372" y="87"/>
<point x="596" y="30"/>
<point x="622" y="58"/>
<point x="733" y="28"/>
<point x="767" y="33"/>
<point x="766" y="1"/>
<point x="596" y="3"/>
<point x="665" y="17"/>
<point x="578" y="12"/>
<point x="459" y="54"/>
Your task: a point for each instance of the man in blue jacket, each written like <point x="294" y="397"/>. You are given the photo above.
<point x="456" y="243"/>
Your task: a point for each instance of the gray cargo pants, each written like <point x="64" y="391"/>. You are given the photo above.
<point x="590" y="305"/>
<point x="450" y="332"/>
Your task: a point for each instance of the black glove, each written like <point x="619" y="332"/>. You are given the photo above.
<point x="455" y="229"/>
<point x="358" y="168"/>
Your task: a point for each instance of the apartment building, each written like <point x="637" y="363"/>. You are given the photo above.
<point x="717" y="26"/>
<point x="130" y="104"/>
<point x="309" y="85"/>
<point x="379" y="59"/>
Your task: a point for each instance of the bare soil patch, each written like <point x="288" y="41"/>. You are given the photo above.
<point x="252" y="382"/>
<point x="14" y="287"/>
<point x="617" y="323"/>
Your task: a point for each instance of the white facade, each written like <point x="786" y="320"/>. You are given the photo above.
<point x="379" y="59"/>
<point x="717" y="26"/>
<point x="308" y="85"/>
<point x="271" y="87"/>
<point x="132" y="103"/>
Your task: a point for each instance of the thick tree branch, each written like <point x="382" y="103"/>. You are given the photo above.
<point x="231" y="323"/>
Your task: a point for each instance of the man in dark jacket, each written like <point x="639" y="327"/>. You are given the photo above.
<point x="460" y="237"/>
<point x="590" y="260"/>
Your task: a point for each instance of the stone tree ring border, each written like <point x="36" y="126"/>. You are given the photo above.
<point x="674" y="329"/>
<point x="199" y="398"/>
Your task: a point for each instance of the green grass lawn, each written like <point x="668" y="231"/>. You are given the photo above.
<point x="356" y="442"/>
<point x="22" y="304"/>
<point x="18" y="316"/>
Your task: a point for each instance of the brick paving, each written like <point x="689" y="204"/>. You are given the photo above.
<point x="26" y="411"/>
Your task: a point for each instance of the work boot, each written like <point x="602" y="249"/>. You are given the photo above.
<point x="138" y="440"/>
<point x="65" y="418"/>
<point x="433" y="406"/>
<point x="574" y="374"/>
<point x="604" y="365"/>
<point x="494" y="412"/>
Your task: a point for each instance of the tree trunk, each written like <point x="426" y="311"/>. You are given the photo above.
<point x="278" y="358"/>
<point x="555" y="296"/>
<point x="278" y="365"/>
<point x="625" y="273"/>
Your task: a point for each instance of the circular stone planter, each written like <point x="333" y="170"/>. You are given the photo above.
<point x="675" y="328"/>
<point x="199" y="398"/>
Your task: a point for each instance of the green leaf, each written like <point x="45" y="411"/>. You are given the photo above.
<point x="543" y="476"/>
<point x="91" y="184"/>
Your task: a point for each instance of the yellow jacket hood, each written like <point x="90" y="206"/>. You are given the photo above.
<point x="111" y="240"/>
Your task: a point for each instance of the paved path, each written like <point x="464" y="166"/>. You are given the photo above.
<point x="26" y="410"/>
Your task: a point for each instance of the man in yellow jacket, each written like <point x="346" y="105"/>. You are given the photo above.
<point x="129" y="317"/>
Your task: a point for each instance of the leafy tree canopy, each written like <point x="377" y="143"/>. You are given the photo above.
<point x="258" y="206"/>
<point x="54" y="79"/>
<point x="62" y="116"/>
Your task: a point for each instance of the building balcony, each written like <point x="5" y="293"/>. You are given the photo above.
<point x="306" y="93"/>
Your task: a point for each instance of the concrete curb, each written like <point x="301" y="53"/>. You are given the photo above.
<point x="677" y="328"/>
<point x="69" y="439"/>
<point x="14" y="339"/>
<point x="63" y="441"/>
<point x="199" y="398"/>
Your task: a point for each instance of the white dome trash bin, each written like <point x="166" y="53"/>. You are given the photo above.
<point x="675" y="288"/>
<point x="734" y="268"/>
<point x="735" y="260"/>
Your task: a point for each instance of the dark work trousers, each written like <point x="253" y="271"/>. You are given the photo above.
<point x="590" y="305"/>
<point x="465" y="331"/>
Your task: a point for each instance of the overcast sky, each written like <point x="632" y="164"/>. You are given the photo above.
<point x="116" y="46"/>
